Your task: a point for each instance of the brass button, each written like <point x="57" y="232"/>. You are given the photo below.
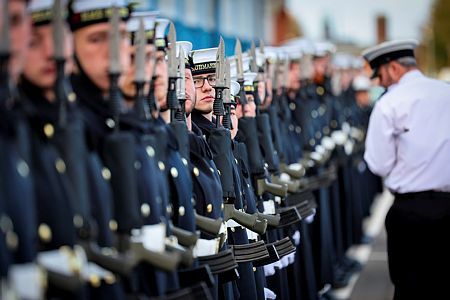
<point x="110" y="278"/>
<point x="174" y="172"/>
<point x="185" y="162"/>
<point x="169" y="209"/>
<point x="161" y="165"/>
<point x="94" y="280"/>
<point x="45" y="233"/>
<point x="314" y="114"/>
<point x="106" y="173"/>
<point x="193" y="201"/>
<point x="232" y="229"/>
<point x="137" y="165"/>
<point x="318" y="135"/>
<point x="212" y="170"/>
<point x="150" y="151"/>
<point x="78" y="221"/>
<point x="322" y="109"/>
<point x="22" y="168"/>
<point x="196" y="172"/>
<point x="298" y="129"/>
<point x="236" y="161"/>
<point x="49" y="130"/>
<point x="222" y="206"/>
<point x="60" y="166"/>
<point x="145" y="209"/>
<point x="320" y="90"/>
<point x="5" y="223"/>
<point x="292" y="106"/>
<point x="209" y="208"/>
<point x="113" y="225"/>
<point x="72" y="97"/>
<point x="218" y="172"/>
<point x="110" y="123"/>
<point x="312" y="142"/>
<point x="181" y="211"/>
<point x="12" y="240"/>
<point x="291" y="127"/>
<point x="254" y="269"/>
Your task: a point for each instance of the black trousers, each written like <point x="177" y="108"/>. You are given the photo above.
<point x="418" y="244"/>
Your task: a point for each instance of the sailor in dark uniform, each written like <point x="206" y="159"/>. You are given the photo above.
<point x="204" y="81"/>
<point x="18" y="220"/>
<point x="58" y="137"/>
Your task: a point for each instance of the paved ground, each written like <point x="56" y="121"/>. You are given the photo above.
<point x="372" y="283"/>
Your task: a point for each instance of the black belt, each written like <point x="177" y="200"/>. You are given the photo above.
<point x="198" y="291"/>
<point x="288" y="216"/>
<point x="426" y="195"/>
<point x="222" y="264"/>
<point x="250" y="252"/>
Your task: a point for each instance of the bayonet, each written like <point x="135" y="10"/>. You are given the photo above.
<point x="227" y="97"/>
<point x="172" y="52"/>
<point x="58" y="42"/>
<point x="141" y="107"/>
<point x="114" y="42"/>
<point x="114" y="67"/>
<point x="181" y="85"/>
<point x="239" y="65"/>
<point x="220" y="64"/>
<point x="58" y="27"/>
<point x="253" y="63"/>
<point x="285" y="71"/>
<point x="172" y="101"/>
<point x="181" y="90"/>
<point x="261" y="46"/>
<point x="5" y="38"/>
<point x="218" y="109"/>
<point x="139" y="75"/>
<point x="240" y="72"/>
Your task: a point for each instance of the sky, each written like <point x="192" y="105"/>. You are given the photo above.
<point x="355" y="20"/>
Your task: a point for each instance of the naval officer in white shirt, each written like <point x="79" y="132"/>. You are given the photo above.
<point x="408" y="143"/>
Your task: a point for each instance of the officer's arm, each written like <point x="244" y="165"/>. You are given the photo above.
<point x="380" y="153"/>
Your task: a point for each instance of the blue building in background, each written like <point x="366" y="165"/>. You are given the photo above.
<point x="203" y="21"/>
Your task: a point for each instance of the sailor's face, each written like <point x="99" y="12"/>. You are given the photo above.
<point x="40" y="67"/>
<point x="250" y="107"/>
<point x="234" y="122"/>
<point x="320" y="66"/>
<point x="385" y="75"/>
<point x="205" y="95"/>
<point x="162" y="79"/>
<point x="190" y="91"/>
<point x="19" y="30"/>
<point x="92" y="51"/>
<point x="128" y="85"/>
<point x="262" y="90"/>
<point x="268" y="99"/>
<point x="294" y="76"/>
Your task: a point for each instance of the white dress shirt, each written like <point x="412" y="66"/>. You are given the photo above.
<point x="408" y="140"/>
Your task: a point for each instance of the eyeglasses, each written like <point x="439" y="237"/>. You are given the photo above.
<point x="200" y="81"/>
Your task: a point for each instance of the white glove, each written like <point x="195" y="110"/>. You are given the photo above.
<point x="328" y="143"/>
<point x="296" y="237"/>
<point x="291" y="258"/>
<point x="284" y="262"/>
<point x="339" y="137"/>
<point x="310" y="219"/>
<point x="269" y="270"/>
<point x="269" y="294"/>
<point x="348" y="147"/>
